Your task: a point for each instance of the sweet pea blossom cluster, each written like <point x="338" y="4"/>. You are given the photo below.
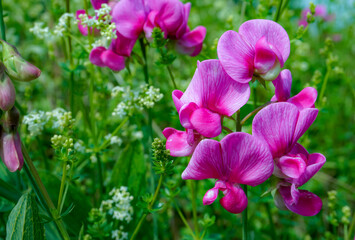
<point x="171" y="16"/>
<point x="218" y="89"/>
<point x="12" y="67"/>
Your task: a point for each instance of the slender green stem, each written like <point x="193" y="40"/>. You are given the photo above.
<point x="254" y="112"/>
<point x="352" y="225"/>
<point x="271" y="223"/>
<point x="43" y="191"/>
<point x="136" y="230"/>
<point x="145" y="65"/>
<point x="203" y="234"/>
<point x="172" y="76"/>
<point x="184" y="220"/>
<point x="107" y="141"/>
<point x="71" y="60"/>
<point x="2" y="23"/>
<point x="62" y="185"/>
<point x="245" y="216"/>
<point x="194" y="206"/>
<point x="227" y="129"/>
<point x="238" y="125"/>
<point x="324" y="85"/>
<point x="278" y="13"/>
<point x="346" y="236"/>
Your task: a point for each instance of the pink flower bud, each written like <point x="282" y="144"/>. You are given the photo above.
<point x="7" y="92"/>
<point x="16" y="67"/>
<point x="10" y="151"/>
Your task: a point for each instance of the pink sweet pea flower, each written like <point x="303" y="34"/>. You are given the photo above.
<point x="10" y="151"/>
<point x="259" y="49"/>
<point x="210" y="95"/>
<point x="239" y="158"/>
<point x="304" y="99"/>
<point x="97" y="3"/>
<point x="171" y="16"/>
<point x="280" y="125"/>
<point x="181" y="143"/>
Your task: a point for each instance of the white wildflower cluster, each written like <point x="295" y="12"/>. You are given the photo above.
<point x="113" y="139"/>
<point x="62" y="25"/>
<point x="41" y="32"/>
<point x="79" y="146"/>
<point x="102" y="22"/>
<point x="145" y="97"/>
<point x="119" y="207"/>
<point x="58" y="119"/>
<point x="119" y="234"/>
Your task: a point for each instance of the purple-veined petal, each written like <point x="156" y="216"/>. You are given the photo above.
<point x="236" y="56"/>
<point x="177" y="94"/>
<point x="191" y="42"/>
<point x="185" y="113"/>
<point x="113" y="60"/>
<point x="275" y="125"/>
<point x="305" y="99"/>
<point x="283" y="85"/>
<point x="214" y="93"/>
<point x="205" y="122"/>
<point x="315" y="162"/>
<point x="246" y="159"/>
<point x="10" y="151"/>
<point x="97" y="3"/>
<point x="122" y="46"/>
<point x="177" y="143"/>
<point x="95" y="56"/>
<point x="129" y="17"/>
<point x="264" y="56"/>
<point x="308" y="203"/>
<point x="234" y="200"/>
<point x="205" y="162"/>
<point x="291" y="166"/>
<point x="194" y="91"/>
<point x="304" y="121"/>
<point x="275" y="34"/>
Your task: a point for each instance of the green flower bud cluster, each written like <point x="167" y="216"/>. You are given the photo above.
<point x="162" y="161"/>
<point x="346" y="215"/>
<point x="160" y="43"/>
<point x="332" y="217"/>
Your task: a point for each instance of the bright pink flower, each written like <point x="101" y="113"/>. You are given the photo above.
<point x="97" y="3"/>
<point x="259" y="49"/>
<point x="304" y="99"/>
<point x="7" y="92"/>
<point x="181" y="143"/>
<point x="210" y="95"/>
<point x="239" y="158"/>
<point x="10" y="151"/>
<point x="280" y="125"/>
<point x="191" y="42"/>
<point x="102" y="57"/>
<point x="320" y="11"/>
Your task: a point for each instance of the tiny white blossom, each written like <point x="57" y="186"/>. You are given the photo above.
<point x="35" y="122"/>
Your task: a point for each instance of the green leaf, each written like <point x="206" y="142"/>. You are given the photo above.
<point x="24" y="221"/>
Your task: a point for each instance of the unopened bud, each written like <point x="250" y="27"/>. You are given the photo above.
<point x="10" y="151"/>
<point x="17" y="67"/>
<point x="7" y="92"/>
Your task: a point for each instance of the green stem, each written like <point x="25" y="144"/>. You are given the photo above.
<point x="172" y="76"/>
<point x="2" y="23"/>
<point x="71" y="60"/>
<point x="62" y="184"/>
<point x="271" y="223"/>
<point x="238" y="124"/>
<point x="324" y="85"/>
<point x="203" y="234"/>
<point x="352" y="225"/>
<point x="245" y="216"/>
<point x="145" y="65"/>
<point x="346" y="237"/>
<point x="194" y="206"/>
<point x="278" y="13"/>
<point x="136" y="230"/>
<point x="184" y="220"/>
<point x="43" y="191"/>
<point x="254" y="112"/>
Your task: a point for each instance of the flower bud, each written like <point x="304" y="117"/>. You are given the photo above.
<point x="16" y="67"/>
<point x="7" y="92"/>
<point x="10" y="151"/>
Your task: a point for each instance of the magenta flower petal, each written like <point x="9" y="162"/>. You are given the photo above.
<point x="191" y="42"/>
<point x="82" y="28"/>
<point x="275" y="34"/>
<point x="292" y="167"/>
<point x="129" y="17"/>
<point x="304" y="121"/>
<point x="205" y="162"/>
<point x="97" y="3"/>
<point x="301" y="202"/>
<point x="206" y="122"/>
<point x="210" y="196"/>
<point x="177" y="94"/>
<point x="315" y="162"/>
<point x="95" y="56"/>
<point x="264" y="56"/>
<point x="122" y="46"/>
<point x="150" y="24"/>
<point x="185" y="114"/>
<point x="236" y="56"/>
<point x="10" y="151"/>
<point x="276" y="124"/>
<point x="305" y="99"/>
<point x="283" y="85"/>
<point x="178" y="144"/>
<point x="246" y="159"/>
<point x="113" y="60"/>
<point x="234" y="200"/>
